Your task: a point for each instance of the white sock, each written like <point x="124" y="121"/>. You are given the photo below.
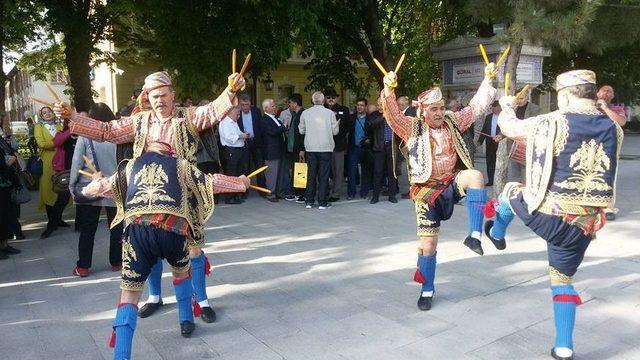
<point x="476" y="234"/>
<point x="427" y="293"/>
<point x="564" y="352"/>
<point x="204" y="303"/>
<point x="153" y="299"/>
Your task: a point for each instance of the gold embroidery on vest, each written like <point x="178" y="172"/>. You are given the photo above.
<point x="590" y="162"/>
<point x="150" y="180"/>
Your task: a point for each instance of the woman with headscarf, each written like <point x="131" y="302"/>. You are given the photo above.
<point x="54" y="203"/>
<point x="103" y="156"/>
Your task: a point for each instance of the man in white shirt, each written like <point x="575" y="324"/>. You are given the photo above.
<point x="233" y="149"/>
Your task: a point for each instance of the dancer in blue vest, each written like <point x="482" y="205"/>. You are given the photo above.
<point x="571" y="162"/>
<point x="163" y="202"/>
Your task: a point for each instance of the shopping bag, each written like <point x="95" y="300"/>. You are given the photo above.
<point x="300" y="175"/>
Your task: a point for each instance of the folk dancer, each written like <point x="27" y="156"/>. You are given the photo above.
<point x="571" y="162"/>
<point x="157" y="119"/>
<point x="440" y="169"/>
<point x="146" y="189"/>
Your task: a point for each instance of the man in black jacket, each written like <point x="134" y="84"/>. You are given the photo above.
<point x="337" y="160"/>
<point x="249" y="122"/>
<point x="381" y="135"/>
<point x="273" y="146"/>
<point x="294" y="150"/>
<point x="491" y="133"/>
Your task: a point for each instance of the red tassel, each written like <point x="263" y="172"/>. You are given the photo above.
<point x="112" y="341"/>
<point x="196" y="308"/>
<point x="207" y="266"/>
<point x="490" y="208"/>
<point x="417" y="277"/>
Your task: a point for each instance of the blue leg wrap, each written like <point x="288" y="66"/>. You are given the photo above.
<point x="565" y="300"/>
<point x="198" y="277"/>
<point x="154" y="280"/>
<point x="427" y="267"/>
<point x="476" y="198"/>
<point x="124" y="326"/>
<point x="504" y="215"/>
<point x="183" y="296"/>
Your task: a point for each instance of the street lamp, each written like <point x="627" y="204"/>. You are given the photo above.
<point x="268" y="82"/>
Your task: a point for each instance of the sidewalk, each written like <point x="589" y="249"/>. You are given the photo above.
<point x="291" y="283"/>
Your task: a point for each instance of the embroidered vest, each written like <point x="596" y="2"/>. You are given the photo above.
<point x="160" y="184"/>
<point x="185" y="136"/>
<point x="418" y="149"/>
<point x="572" y="159"/>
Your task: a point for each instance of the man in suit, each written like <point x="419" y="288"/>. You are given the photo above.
<point x="403" y="105"/>
<point x="294" y="150"/>
<point x="340" y="140"/>
<point x="273" y="146"/>
<point x="491" y="134"/>
<point x="249" y="123"/>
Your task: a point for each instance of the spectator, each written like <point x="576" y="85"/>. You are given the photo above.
<point x="380" y="135"/>
<point x="491" y="134"/>
<point x="9" y="146"/>
<point x="44" y="133"/>
<point x="357" y="153"/>
<point x="208" y="156"/>
<point x="188" y="102"/>
<point x="31" y="143"/>
<point x="103" y="156"/>
<point x="340" y="140"/>
<point x="617" y="114"/>
<point x="524" y="110"/>
<point x="126" y="111"/>
<point x="273" y="145"/>
<point x="249" y="123"/>
<point x="318" y="124"/>
<point x="455" y="105"/>
<point x="8" y="181"/>
<point x="233" y="149"/>
<point x="294" y="150"/>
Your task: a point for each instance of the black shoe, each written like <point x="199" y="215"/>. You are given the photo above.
<point x="301" y="200"/>
<point x="488" y="184"/>
<point x="45" y="234"/>
<point x="610" y="216"/>
<point x="334" y="199"/>
<point x="63" y="224"/>
<point x="273" y="199"/>
<point x="186" y="328"/>
<point x="392" y="199"/>
<point x="499" y="244"/>
<point x="474" y="244"/>
<point x="290" y="198"/>
<point x="374" y="200"/>
<point x="234" y="201"/>
<point x="350" y="197"/>
<point x="405" y="196"/>
<point x="148" y="309"/>
<point x="424" y="302"/>
<point x="3" y="256"/>
<point x="11" y="250"/>
<point x="557" y="357"/>
<point x="207" y="314"/>
<point x="19" y="236"/>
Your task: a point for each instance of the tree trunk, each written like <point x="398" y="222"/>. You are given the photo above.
<point x="77" y="57"/>
<point x="502" y="175"/>
<point x="3" y="77"/>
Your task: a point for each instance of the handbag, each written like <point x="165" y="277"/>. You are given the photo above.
<point x="60" y="181"/>
<point x="300" y="175"/>
<point x="78" y="196"/>
<point x="34" y="165"/>
<point x="20" y="193"/>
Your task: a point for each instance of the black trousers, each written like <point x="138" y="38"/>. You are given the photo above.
<point x="383" y="161"/>
<point x="209" y="167"/>
<point x="491" y="147"/>
<point x="8" y="216"/>
<point x="54" y="213"/>
<point x="234" y="162"/>
<point x="318" y="167"/>
<point x="88" y="217"/>
<point x="253" y="160"/>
